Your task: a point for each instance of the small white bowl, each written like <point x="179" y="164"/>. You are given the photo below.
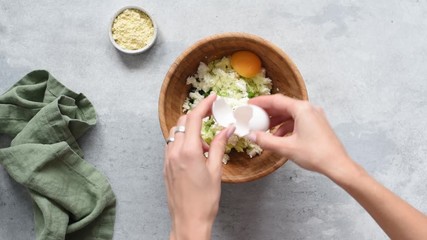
<point x="124" y="50"/>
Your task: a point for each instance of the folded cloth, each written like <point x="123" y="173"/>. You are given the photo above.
<point x="72" y="200"/>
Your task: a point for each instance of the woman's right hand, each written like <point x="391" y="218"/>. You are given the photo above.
<point x="312" y="143"/>
<point x="314" y="146"/>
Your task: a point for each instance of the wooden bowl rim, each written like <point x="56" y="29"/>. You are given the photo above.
<point x="219" y="36"/>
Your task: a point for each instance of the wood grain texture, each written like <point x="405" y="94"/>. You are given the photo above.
<point x="279" y="67"/>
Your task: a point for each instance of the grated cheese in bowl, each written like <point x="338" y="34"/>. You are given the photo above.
<point x="132" y="30"/>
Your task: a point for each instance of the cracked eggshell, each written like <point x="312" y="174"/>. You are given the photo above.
<point x="243" y="116"/>
<point x="222" y="112"/>
<point x="250" y="118"/>
<point x="260" y="120"/>
<point x="246" y="118"/>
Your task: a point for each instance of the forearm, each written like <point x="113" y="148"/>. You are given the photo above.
<point x="398" y="219"/>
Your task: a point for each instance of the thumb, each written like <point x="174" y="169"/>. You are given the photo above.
<point x="216" y="149"/>
<point x="278" y="144"/>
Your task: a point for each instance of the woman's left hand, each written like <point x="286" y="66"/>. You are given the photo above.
<point x="193" y="182"/>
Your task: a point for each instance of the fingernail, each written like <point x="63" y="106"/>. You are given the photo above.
<point x="230" y="130"/>
<point x="252" y="137"/>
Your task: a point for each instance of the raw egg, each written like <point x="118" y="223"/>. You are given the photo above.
<point x="245" y="63"/>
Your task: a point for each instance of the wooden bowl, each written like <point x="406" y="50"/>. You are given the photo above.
<point x="279" y="68"/>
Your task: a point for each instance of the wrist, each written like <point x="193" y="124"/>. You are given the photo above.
<point x="194" y="230"/>
<point x="344" y="172"/>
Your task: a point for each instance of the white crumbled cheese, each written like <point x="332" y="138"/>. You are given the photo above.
<point x="132" y="29"/>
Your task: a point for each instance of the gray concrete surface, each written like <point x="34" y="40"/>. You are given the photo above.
<point x="363" y="61"/>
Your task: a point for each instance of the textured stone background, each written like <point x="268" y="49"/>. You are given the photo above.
<point x="363" y="61"/>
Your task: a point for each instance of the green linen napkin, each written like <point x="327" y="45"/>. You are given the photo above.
<point x="72" y="200"/>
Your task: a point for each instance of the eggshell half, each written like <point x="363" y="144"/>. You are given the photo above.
<point x="260" y="120"/>
<point x="243" y="116"/>
<point x="246" y="118"/>
<point x="222" y="113"/>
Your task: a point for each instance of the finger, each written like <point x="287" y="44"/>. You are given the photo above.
<point x="277" y="120"/>
<point x="171" y="137"/>
<point x="179" y="136"/>
<point x="168" y="183"/>
<point x="166" y="167"/>
<point x="282" y="145"/>
<point x="166" y="164"/>
<point x="319" y="110"/>
<point x="285" y="128"/>
<point x="166" y="150"/>
<point x="216" y="151"/>
<point x="277" y="105"/>
<point x="169" y="145"/>
<point x="194" y="121"/>
<point x="166" y="170"/>
<point x="205" y="146"/>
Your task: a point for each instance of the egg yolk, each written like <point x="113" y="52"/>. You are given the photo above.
<point x="246" y="63"/>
